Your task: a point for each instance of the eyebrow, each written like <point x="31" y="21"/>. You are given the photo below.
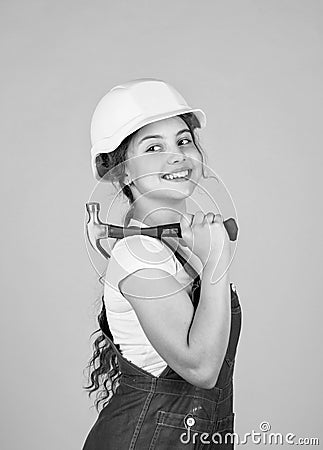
<point x="158" y="136"/>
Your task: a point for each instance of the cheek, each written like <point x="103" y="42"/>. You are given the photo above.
<point x="146" y="172"/>
<point x="196" y="156"/>
<point x="150" y="165"/>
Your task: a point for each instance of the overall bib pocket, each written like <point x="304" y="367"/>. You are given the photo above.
<point x="222" y="435"/>
<point x="179" y="431"/>
<point x="226" y="423"/>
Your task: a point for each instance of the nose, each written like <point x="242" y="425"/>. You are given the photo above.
<point x="176" y="155"/>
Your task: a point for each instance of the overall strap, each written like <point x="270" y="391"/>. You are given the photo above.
<point x="188" y="268"/>
<point x="196" y="286"/>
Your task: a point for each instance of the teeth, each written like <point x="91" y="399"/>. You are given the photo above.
<point x="182" y="174"/>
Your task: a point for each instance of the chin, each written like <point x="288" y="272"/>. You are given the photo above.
<point x="176" y="194"/>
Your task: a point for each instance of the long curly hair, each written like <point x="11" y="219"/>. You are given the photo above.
<point x="103" y="369"/>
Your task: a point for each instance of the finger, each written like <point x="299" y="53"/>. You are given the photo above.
<point x="218" y="218"/>
<point x="198" y="218"/>
<point x="185" y="224"/>
<point x="209" y="217"/>
<point x="186" y="219"/>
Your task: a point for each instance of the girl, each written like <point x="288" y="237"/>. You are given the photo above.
<point x="163" y="363"/>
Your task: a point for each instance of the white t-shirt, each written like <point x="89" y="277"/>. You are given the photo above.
<point x="128" y="255"/>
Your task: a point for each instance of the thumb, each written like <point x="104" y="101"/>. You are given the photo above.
<point x="185" y="224"/>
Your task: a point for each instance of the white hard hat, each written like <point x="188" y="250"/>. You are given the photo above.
<point x="128" y="107"/>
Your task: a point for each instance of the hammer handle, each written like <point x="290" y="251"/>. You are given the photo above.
<point x="168" y="230"/>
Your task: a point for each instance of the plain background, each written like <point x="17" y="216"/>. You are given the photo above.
<point x="255" y="67"/>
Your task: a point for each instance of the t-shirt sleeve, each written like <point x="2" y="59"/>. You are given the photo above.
<point x="139" y="252"/>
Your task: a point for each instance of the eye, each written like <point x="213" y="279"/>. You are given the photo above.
<point x="152" y="147"/>
<point x="185" y="139"/>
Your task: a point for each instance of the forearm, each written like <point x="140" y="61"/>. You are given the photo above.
<point x="209" y="332"/>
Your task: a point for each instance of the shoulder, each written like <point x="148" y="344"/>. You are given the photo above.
<point x="138" y="252"/>
<point x="143" y="247"/>
<point x="138" y="239"/>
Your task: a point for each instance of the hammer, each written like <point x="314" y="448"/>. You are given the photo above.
<point x="97" y="230"/>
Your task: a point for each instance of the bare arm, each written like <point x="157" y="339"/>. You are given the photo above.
<point x="194" y="348"/>
<point x="209" y="334"/>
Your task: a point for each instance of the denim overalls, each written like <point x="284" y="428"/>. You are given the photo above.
<point x="167" y="412"/>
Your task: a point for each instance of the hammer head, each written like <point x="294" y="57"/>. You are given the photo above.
<point x="95" y="229"/>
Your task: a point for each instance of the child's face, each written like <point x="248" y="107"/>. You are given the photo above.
<point x="161" y="148"/>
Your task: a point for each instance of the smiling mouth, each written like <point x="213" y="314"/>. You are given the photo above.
<point x="180" y="175"/>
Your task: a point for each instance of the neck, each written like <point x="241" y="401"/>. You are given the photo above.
<point x="152" y="215"/>
<point x="160" y="218"/>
